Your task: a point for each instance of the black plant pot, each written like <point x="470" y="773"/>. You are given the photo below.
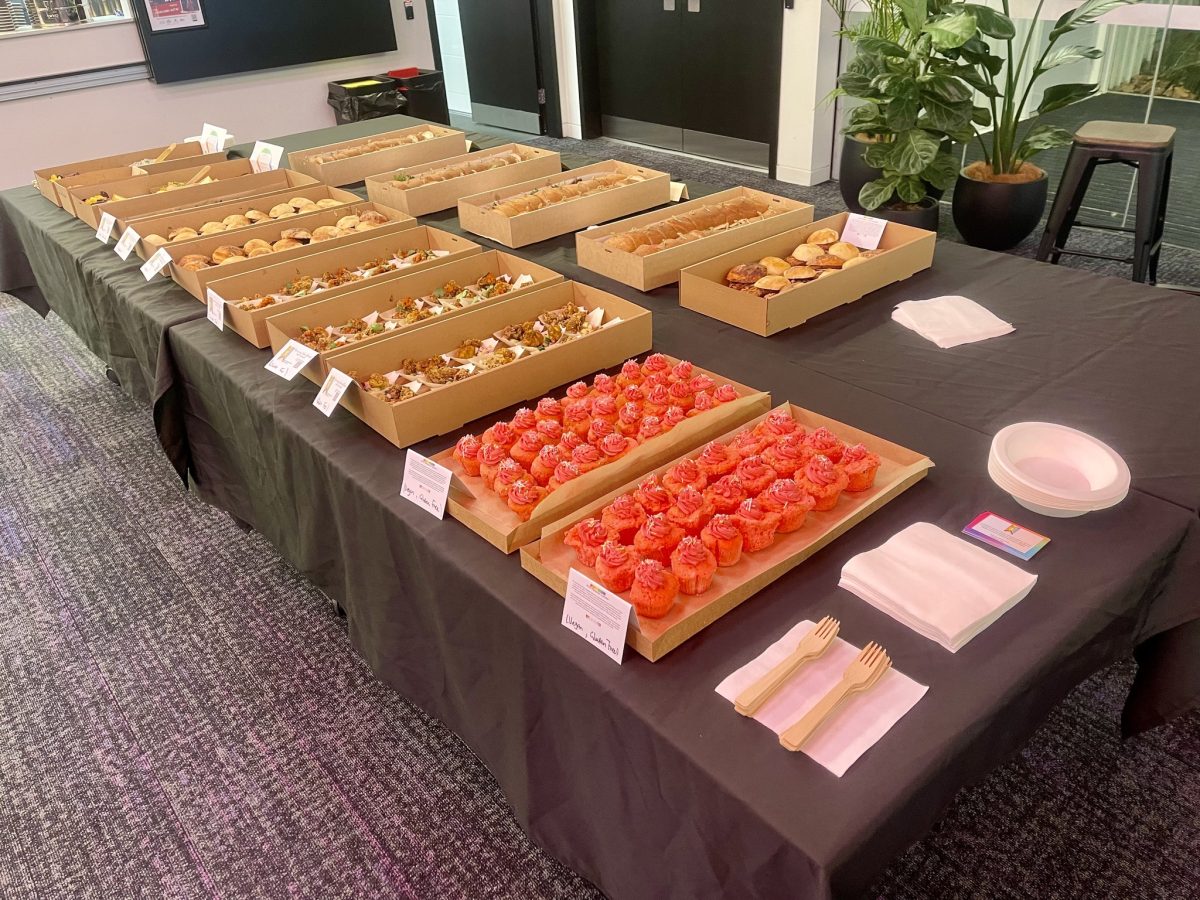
<point x="854" y="172"/>
<point x="998" y="216"/>
<point x="924" y="216"/>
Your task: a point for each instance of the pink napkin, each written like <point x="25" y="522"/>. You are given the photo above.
<point x="855" y="726"/>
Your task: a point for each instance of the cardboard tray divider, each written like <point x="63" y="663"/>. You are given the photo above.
<point x="702" y="288"/>
<point x="549" y="560"/>
<point x="131" y="187"/>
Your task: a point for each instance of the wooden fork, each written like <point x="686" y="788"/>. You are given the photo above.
<point x="811" y="646"/>
<point x="199" y="175"/>
<point x="162" y="157"/>
<point x="860" y="675"/>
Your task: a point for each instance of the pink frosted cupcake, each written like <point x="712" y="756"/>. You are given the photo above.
<point x="604" y="386"/>
<point x="656" y="363"/>
<point x="725" y="394"/>
<point x="604" y="407"/>
<point x="577" y="419"/>
<point x="549" y="408"/>
<point x="777" y="423"/>
<point x="860" y="466"/>
<point x="544" y="464"/>
<point x="826" y="443"/>
<point x="654" y="589"/>
<point x="725" y="494"/>
<point x="508" y="474"/>
<point x="722" y="538"/>
<point x="466" y="451"/>
<point x="682" y="475"/>
<point x="624" y="516"/>
<point x="633" y="393"/>
<point x="747" y="443"/>
<point x="652" y="496"/>
<point x="587" y="536"/>
<point x="615" y="446"/>
<point x="615" y="564"/>
<point x="650" y="428"/>
<point x="658" y="399"/>
<point x="524" y="420"/>
<point x="823" y="481"/>
<point x="672" y="417"/>
<point x="657" y="538"/>
<point x="690" y="511"/>
<point x="754" y="474"/>
<point x="564" y="472"/>
<point x="523" y="497"/>
<point x="577" y="393"/>
<point x="527" y="447"/>
<point x="788" y="455"/>
<point x="502" y="435"/>
<point x="490" y="458"/>
<point x="683" y="371"/>
<point x="682" y="395"/>
<point x="702" y="383"/>
<point x="694" y="565"/>
<point x="788" y="499"/>
<point x="601" y="428"/>
<point x="631" y="374"/>
<point x="586" y="457"/>
<point x="550" y="431"/>
<point x="716" y="460"/>
<point x="568" y="442"/>
<point x="702" y="403"/>
<point x="629" y="419"/>
<point x="757" y="525"/>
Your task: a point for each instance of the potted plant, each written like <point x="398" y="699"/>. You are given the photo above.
<point x="999" y="199"/>
<point x="911" y="112"/>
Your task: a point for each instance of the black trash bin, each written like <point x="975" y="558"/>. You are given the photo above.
<point x="425" y="90"/>
<point x="368" y="97"/>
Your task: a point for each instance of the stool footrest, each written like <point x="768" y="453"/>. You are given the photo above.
<point x="1121" y="259"/>
<point x="1097" y="225"/>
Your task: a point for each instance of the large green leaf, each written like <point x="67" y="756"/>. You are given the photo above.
<point x="876" y="155"/>
<point x="1056" y="96"/>
<point x="977" y="52"/>
<point x="912" y="151"/>
<point x="981" y="115"/>
<point x="915" y="13"/>
<point x="1043" y="137"/>
<point x="901" y="113"/>
<point x="992" y="22"/>
<point x="910" y="189"/>
<point x="942" y="171"/>
<point x="1063" y="56"/>
<point x="875" y="193"/>
<point x="946" y="101"/>
<point x="973" y="77"/>
<point x="857" y="85"/>
<point x="865" y="118"/>
<point x="952" y="30"/>
<point x="881" y="46"/>
<point x="1084" y="14"/>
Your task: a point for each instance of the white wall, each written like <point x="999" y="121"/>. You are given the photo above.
<point x="100" y="121"/>
<point x="454" y="59"/>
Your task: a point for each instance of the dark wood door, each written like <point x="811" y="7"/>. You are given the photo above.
<point x="640" y="57"/>
<point x="500" y="45"/>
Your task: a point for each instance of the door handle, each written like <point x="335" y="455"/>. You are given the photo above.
<point x="693" y="6"/>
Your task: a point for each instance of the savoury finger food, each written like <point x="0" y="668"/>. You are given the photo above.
<point x="479" y="162"/>
<point x="562" y="191"/>
<point x="823" y="253"/>
<point x="691" y="226"/>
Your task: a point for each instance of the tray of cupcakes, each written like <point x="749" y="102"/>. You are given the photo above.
<point x="784" y="280"/>
<point x="700" y="534"/>
<point x="571" y="447"/>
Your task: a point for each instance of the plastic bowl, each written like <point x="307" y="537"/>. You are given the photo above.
<point x="1060" y="463"/>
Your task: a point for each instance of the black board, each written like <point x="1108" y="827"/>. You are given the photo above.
<point x="247" y="35"/>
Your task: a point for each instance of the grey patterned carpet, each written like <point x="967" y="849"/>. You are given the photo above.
<point x="182" y="715"/>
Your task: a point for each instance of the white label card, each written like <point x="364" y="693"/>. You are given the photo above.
<point x="265" y="157"/>
<point x="679" y="191"/>
<point x="426" y="483"/>
<point x="597" y="615"/>
<point x="290" y="360"/>
<point x="216" y="309"/>
<point x="156" y="263"/>
<point x="331" y="391"/>
<point x="212" y="138"/>
<point x="107" y="222"/>
<point x="127" y="242"/>
<point x="864" y="232"/>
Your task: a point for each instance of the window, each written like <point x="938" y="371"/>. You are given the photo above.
<point x="26" y="16"/>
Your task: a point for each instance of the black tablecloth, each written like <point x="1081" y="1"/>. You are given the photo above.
<point x="640" y="776"/>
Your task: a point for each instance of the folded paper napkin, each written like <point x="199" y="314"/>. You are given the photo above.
<point x="854" y="727"/>
<point x="950" y="321"/>
<point x="937" y="584"/>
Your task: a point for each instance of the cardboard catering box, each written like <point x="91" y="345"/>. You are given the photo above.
<point x="487" y="515"/>
<point x="204" y="197"/>
<point x="195" y="281"/>
<point x="62" y="188"/>
<point x="377" y="297"/>
<point x="569" y="215"/>
<point x="252" y="324"/>
<point x="184" y="150"/>
<point x="144" y="185"/>
<point x="439" y="195"/>
<point x="194" y="217"/>
<point x="656" y="269"/>
<point x="445" y="142"/>
<point x="550" y="559"/>
<point x="702" y="286"/>
<point x="437" y="410"/>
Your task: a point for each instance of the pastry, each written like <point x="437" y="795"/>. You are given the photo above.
<point x="694" y="565"/>
<point x="259" y="251"/>
<point x="716" y="460"/>
<point x="587" y="536"/>
<point x="549" y="431"/>
<point x="256" y="215"/>
<point x="527" y="447"/>
<point x="826" y="443"/>
<point x="326" y="233"/>
<point x="624" y="516"/>
<point x="182" y="234"/>
<point x="507" y="474"/>
<point x="652" y="496"/>
<point x="697" y="223"/>
<point x="651" y="427"/>
<point x="860" y="466"/>
<point x="756" y="523"/>
<point x="806" y="253"/>
<point x="194" y="262"/>
<point x="823" y="481"/>
<point x="466" y="451"/>
<point x="489" y="458"/>
<point x="630" y="374"/>
<point x="778" y="423"/>
<point x="654" y="589"/>
<point x="725" y="494"/>
<point x="746" y="273"/>
<point x="615" y="564"/>
<point x="629" y="418"/>
<point x="328" y="203"/>
<point x="748" y="443"/>
<point x="788" y="455"/>
<point x="577" y="419"/>
<point x="843" y="251"/>
<point x="523" y="496"/>
<point x="774" y="265"/>
<point x="548" y="408"/>
<point x="544" y="464"/>
<point x="788" y="499"/>
<point x="299" y="203"/>
<point x="754" y="474"/>
<point x="800" y="273"/>
<point x="347" y="223"/>
<point x="502" y="434"/>
<point x="656" y="364"/>
<point x="226" y="252"/>
<point x="684" y="474"/>
<point x="209" y="228"/>
<point x="774" y="283"/>
<point x="255" y="244"/>
<point x="373" y="145"/>
<point x="657" y="538"/>
<point x="690" y="511"/>
<point x="722" y="538"/>
<point x="565" y="471"/>
<point x="296" y="234"/>
<point x="285" y="244"/>
<point x="826" y="261"/>
<point x="280" y="209"/>
<point x="823" y="237"/>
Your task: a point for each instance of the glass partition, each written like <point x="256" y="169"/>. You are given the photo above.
<point x="23" y="16"/>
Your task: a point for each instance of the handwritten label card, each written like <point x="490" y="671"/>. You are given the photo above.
<point x="597" y="615"/>
<point x="331" y="391"/>
<point x="156" y="263"/>
<point x="265" y="157"/>
<point x="127" y="242"/>
<point x="290" y="360"/>
<point x="426" y="483"/>
<point x="864" y="232"/>
<point x="216" y="309"/>
<point x="212" y="138"/>
<point x="104" y="232"/>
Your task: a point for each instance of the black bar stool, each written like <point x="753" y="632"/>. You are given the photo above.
<point x="1148" y="148"/>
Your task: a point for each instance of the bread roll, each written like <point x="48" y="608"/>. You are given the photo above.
<point x="800" y="273"/>
<point x="772" y="283"/>
<point x="806" y="253"/>
<point x="183" y="234"/>
<point x="348" y="223"/>
<point x="155" y="240"/>
<point x="326" y="233"/>
<point x="254" y="244"/>
<point x="224" y="252"/>
<point x="327" y="202"/>
<point x="373" y="217"/>
<point x="211" y="228"/>
<point x="774" y="265"/>
<point x="855" y="261"/>
<point x="230" y="259"/>
<point x="285" y="244"/>
<point x="280" y="209"/>
<point x="296" y="234"/>
<point x="827" y="261"/>
<point x="194" y="262"/>
<point x="823" y="237"/>
<point x="235" y="221"/>
<point x="746" y="273"/>
<point x="298" y="202"/>
<point x="843" y="251"/>
<point x="256" y="215"/>
<point x="258" y="251"/>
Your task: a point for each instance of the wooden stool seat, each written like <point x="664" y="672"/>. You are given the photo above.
<point x="1125" y="134"/>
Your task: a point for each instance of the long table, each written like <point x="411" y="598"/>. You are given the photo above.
<point x="641" y="777"/>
